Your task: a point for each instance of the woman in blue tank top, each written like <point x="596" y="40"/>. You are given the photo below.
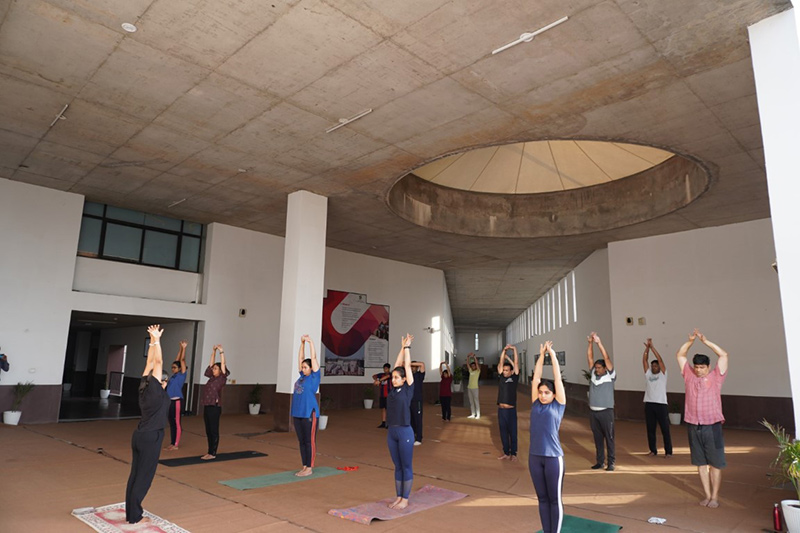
<point x="546" y="458"/>
<point x="398" y="417"/>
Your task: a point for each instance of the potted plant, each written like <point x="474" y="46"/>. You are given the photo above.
<point x="675" y="413"/>
<point x="106" y="391"/>
<point x="324" y="404"/>
<point x="369" y="396"/>
<point x="788" y="465"/>
<point x="254" y="399"/>
<point x="20" y="391"/>
<point x="458" y="377"/>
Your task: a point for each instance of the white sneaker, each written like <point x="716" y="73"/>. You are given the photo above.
<point x="471" y="416"/>
<point x="417" y="443"/>
<point x="477" y="417"/>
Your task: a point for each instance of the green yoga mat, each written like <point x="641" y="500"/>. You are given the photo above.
<point x="281" y="478"/>
<point x="574" y="524"/>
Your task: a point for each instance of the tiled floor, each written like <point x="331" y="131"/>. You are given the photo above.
<point x="48" y="470"/>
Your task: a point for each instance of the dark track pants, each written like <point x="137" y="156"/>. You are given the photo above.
<point x="175" y="421"/>
<point x="508" y="429"/>
<point x="306" y="430"/>
<point x="416" y="419"/>
<point x="657" y="413"/>
<point x="211" y="414"/>
<point x="602" y="423"/>
<point x="547" y="474"/>
<point x="446" y="401"/>
<point x="146" y="448"/>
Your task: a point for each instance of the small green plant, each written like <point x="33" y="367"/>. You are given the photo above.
<point x="788" y="460"/>
<point x="20" y="391"/>
<point x="255" y="394"/>
<point x="586" y="375"/>
<point x="674" y="407"/>
<point x="369" y="392"/>
<point x="325" y="403"/>
<point x="458" y="374"/>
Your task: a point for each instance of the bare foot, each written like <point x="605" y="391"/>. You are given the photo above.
<point x="300" y="472"/>
<point x="208" y="457"/>
<point x="713" y="504"/>
<point x="513" y="458"/>
<point x="704" y="503"/>
<point x="144" y="520"/>
<point x="305" y="472"/>
<point x="394" y="503"/>
<point x="402" y="505"/>
<point x="503" y="457"/>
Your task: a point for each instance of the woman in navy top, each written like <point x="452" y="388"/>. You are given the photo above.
<point x="546" y="458"/>
<point x="305" y="409"/>
<point x="146" y="440"/>
<point x="398" y="416"/>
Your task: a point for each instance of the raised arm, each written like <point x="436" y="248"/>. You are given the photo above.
<point x="537" y="371"/>
<point x="606" y="357"/>
<point x="501" y="359"/>
<point x="222" y="360"/>
<point x="301" y="353"/>
<point x="561" y="394"/>
<point x="515" y="362"/>
<point x="683" y="350"/>
<point x="590" y="350"/>
<point x="446" y="367"/>
<point x="722" y="362"/>
<point x="155" y="362"/>
<point x="661" y="364"/>
<point x="181" y="358"/>
<point x="404" y="358"/>
<point x="645" y="364"/>
<point x="418" y="366"/>
<point x="213" y="355"/>
<point x="313" y="352"/>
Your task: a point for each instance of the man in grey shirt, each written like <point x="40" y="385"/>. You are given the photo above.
<point x="601" y="402"/>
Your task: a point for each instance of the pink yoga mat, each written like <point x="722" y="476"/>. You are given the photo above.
<point x="111" y="519"/>
<point x="425" y="498"/>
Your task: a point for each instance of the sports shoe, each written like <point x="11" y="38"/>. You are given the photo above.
<point x="471" y="416"/>
<point x="383" y="425"/>
<point x="610" y="467"/>
<point x="598" y="466"/>
<point x="417" y="443"/>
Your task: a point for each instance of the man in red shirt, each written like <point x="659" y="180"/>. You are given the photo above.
<point x="703" y="414"/>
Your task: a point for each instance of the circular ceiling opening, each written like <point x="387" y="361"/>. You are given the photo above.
<point x="547" y="188"/>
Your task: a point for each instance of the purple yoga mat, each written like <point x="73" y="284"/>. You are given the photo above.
<point x="425" y="498"/>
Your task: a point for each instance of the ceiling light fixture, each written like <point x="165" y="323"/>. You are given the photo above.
<point x="346" y="121"/>
<point x="128" y="27"/>
<point x="60" y="116"/>
<point x="528" y="37"/>
<point x="173" y="204"/>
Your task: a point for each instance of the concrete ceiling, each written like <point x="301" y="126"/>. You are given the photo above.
<point x="205" y="89"/>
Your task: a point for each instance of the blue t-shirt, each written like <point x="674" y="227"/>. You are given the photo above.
<point x="545" y="422"/>
<point x="175" y="385"/>
<point x="398" y="405"/>
<point x="304" y="400"/>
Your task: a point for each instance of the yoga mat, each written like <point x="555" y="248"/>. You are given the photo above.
<point x="281" y="478"/>
<point x="111" y="519"/>
<point x="574" y="524"/>
<point x="195" y="459"/>
<point x="425" y="498"/>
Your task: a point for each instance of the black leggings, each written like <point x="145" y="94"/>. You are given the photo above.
<point x="306" y="429"/>
<point x="211" y="414"/>
<point x="445" y="401"/>
<point x="146" y="448"/>
<point x="416" y="419"/>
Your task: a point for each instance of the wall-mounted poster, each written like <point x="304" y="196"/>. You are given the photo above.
<point x="355" y="334"/>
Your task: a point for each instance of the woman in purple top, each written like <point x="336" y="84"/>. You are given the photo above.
<point x="546" y="458"/>
<point x="217" y="374"/>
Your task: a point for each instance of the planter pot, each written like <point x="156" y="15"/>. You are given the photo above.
<point x="323" y="422"/>
<point x="103" y="403"/>
<point x="791" y="515"/>
<point x="67" y="387"/>
<point x="675" y="419"/>
<point x="11" y="417"/>
<point x="456" y="387"/>
<point x="104" y="393"/>
<point x="254" y="408"/>
<point x="368" y="403"/>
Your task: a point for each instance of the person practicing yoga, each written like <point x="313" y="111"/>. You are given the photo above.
<point x="601" y="403"/>
<point x="305" y="409"/>
<point x="381" y="381"/>
<point x="703" y="414"/>
<point x="655" y="400"/>
<point x="217" y="374"/>
<point x="546" y="458"/>
<point x="508" y="372"/>
<point x="175" y="393"/>
<point x="445" y="390"/>
<point x="473" y="391"/>
<point x="398" y="416"/>
<point x="149" y="434"/>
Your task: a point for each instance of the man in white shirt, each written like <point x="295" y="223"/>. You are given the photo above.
<point x="655" y="400"/>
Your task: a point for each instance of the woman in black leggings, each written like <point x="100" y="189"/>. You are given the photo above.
<point x="546" y="459"/>
<point x="217" y="374"/>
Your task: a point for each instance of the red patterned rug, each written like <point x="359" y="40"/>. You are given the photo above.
<point x="111" y="519"/>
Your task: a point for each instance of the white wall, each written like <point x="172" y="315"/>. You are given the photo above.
<point x="134" y="339"/>
<point x="489" y="345"/>
<point x="38" y="239"/>
<point x="413" y="294"/>
<point x="717" y="279"/>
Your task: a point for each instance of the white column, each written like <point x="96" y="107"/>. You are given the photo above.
<point x="775" y="48"/>
<point x="303" y="282"/>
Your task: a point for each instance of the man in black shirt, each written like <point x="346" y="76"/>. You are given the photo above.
<point x="418" y="369"/>
<point x="507" y="402"/>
